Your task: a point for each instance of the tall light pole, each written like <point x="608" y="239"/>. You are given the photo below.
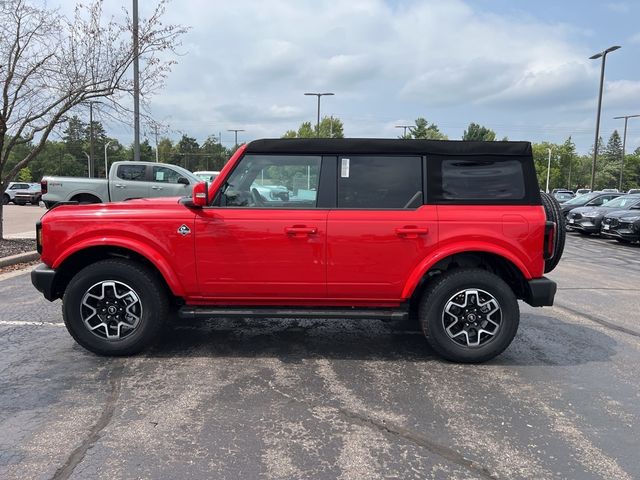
<point x="91" y="151"/>
<point x="404" y="133"/>
<point x="602" y="54"/>
<point x="106" y="169"/>
<point x="88" y="164"/>
<point x="136" y="86"/>
<point x="624" y="143"/>
<point x="548" y="170"/>
<point x="235" y="130"/>
<point x="318" y="119"/>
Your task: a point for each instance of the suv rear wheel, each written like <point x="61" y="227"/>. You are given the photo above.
<point x="469" y="315"/>
<point x="114" y="307"/>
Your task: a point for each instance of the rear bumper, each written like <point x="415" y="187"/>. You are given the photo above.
<point x="540" y="292"/>
<point x="42" y="277"/>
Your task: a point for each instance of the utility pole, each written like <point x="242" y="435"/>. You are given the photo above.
<point x="155" y="128"/>
<point x="318" y="111"/>
<point x="91" y="151"/>
<point x="404" y="133"/>
<point x="602" y="54"/>
<point x="548" y="169"/>
<point x="235" y="130"/>
<point x="136" y="86"/>
<point x="624" y="143"/>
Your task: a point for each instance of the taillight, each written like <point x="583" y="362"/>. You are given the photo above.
<point x="43" y="186"/>
<point x="549" y="239"/>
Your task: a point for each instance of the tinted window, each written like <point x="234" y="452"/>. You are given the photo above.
<point x="131" y="172"/>
<point x="165" y="175"/>
<point x="273" y="181"/>
<point x="379" y="182"/>
<point x="482" y="179"/>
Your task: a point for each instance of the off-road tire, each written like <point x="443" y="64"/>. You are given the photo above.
<point x="433" y="303"/>
<point x="148" y="287"/>
<point x="554" y="214"/>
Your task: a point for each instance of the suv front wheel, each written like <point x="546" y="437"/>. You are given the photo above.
<point x="114" y="307"/>
<point x="469" y="315"/>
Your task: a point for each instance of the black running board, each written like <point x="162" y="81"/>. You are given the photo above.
<point x="192" y="312"/>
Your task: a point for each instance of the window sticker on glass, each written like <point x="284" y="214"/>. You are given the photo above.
<point x="344" y="170"/>
<point x="160" y="176"/>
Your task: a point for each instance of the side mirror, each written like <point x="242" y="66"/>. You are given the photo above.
<point x="183" y="181"/>
<point x="200" y="195"/>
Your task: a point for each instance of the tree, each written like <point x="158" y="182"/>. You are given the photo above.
<point x="425" y="130"/>
<point x="478" y="133"/>
<point x="187" y="152"/>
<point x="608" y="166"/>
<point x="330" y="127"/>
<point x="165" y="150"/>
<point x="24" y="175"/>
<point x="52" y="64"/>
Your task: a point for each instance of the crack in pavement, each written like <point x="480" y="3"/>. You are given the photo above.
<point x="75" y="457"/>
<point x="593" y="318"/>
<point x="391" y="428"/>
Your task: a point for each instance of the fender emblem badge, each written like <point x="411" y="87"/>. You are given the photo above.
<point x="184" y="230"/>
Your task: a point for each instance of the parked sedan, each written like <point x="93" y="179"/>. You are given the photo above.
<point x="623" y="225"/>
<point x="31" y="195"/>
<point x="587" y="220"/>
<point x="592" y="199"/>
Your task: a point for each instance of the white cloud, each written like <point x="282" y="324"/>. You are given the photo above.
<point x="618" y="7"/>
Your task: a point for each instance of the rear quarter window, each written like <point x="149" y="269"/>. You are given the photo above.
<point x="481" y="180"/>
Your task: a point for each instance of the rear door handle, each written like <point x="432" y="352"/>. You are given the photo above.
<point x="156" y="187"/>
<point x="411" y="231"/>
<point x="119" y="185"/>
<point x="300" y="231"/>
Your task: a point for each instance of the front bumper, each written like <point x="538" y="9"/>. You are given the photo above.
<point x="627" y="234"/>
<point x="540" y="292"/>
<point x="43" y="278"/>
<point x="590" y="225"/>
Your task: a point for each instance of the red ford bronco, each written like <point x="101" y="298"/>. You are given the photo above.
<point x="450" y="233"/>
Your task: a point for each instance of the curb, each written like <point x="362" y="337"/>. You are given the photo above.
<point x="19" y="258"/>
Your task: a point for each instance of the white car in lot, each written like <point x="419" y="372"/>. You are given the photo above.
<point x="10" y="193"/>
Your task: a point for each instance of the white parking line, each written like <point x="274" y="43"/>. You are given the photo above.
<point x="19" y="323"/>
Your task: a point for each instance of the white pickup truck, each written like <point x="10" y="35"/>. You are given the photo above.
<point x="126" y="180"/>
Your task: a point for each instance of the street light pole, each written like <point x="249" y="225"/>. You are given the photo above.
<point x="602" y="54"/>
<point x="106" y="169"/>
<point x="91" y="150"/>
<point x="404" y="133"/>
<point x="136" y="86"/>
<point x="235" y="130"/>
<point x="624" y="143"/>
<point x="548" y="169"/>
<point x="318" y="116"/>
<point x="88" y="164"/>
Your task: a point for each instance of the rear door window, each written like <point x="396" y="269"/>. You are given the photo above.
<point x="379" y="182"/>
<point x="132" y="172"/>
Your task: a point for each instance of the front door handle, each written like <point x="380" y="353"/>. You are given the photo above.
<point x="156" y="187"/>
<point x="411" y="231"/>
<point x="300" y="231"/>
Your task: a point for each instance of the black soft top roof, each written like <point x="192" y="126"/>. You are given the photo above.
<point x="385" y="146"/>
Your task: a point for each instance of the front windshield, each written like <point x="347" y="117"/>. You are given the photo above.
<point x="564" y="196"/>
<point x="622" y="202"/>
<point x="582" y="198"/>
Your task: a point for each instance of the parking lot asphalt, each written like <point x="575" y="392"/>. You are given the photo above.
<point x="19" y="221"/>
<point x="333" y="399"/>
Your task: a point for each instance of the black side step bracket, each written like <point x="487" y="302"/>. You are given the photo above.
<point x="193" y="312"/>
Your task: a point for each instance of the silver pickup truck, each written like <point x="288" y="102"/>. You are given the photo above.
<point x="126" y="180"/>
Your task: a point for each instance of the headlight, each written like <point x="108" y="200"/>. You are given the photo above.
<point x="631" y="219"/>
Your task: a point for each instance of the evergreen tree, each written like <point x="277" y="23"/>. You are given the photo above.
<point x="478" y="132"/>
<point x="425" y="130"/>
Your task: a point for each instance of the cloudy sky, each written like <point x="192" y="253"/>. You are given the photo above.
<point x="520" y="68"/>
